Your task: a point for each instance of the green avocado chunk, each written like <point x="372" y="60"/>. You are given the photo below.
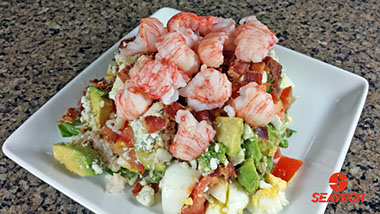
<point x="269" y="147"/>
<point x="252" y="150"/>
<point x="101" y="106"/>
<point x="77" y="158"/>
<point x="229" y="131"/>
<point x="147" y="160"/>
<point x="248" y="177"/>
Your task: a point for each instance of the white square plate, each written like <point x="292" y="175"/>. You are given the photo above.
<point x="325" y="117"/>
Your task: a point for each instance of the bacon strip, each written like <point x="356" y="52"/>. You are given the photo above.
<point x="275" y="68"/>
<point x="262" y="133"/>
<point x="154" y="124"/>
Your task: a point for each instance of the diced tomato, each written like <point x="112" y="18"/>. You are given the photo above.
<point x="286" y="97"/>
<point x="277" y="154"/>
<point x="198" y="197"/>
<point x="133" y="161"/>
<point x="109" y="135"/>
<point x="125" y="139"/>
<point x="279" y="109"/>
<point x="286" y="167"/>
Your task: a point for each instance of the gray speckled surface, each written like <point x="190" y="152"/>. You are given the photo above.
<point x="44" y="45"/>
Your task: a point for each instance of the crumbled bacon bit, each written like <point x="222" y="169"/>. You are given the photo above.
<point x="137" y="188"/>
<point x="124" y="42"/>
<point x="154" y="186"/>
<point x="123" y="74"/>
<point x="71" y="115"/>
<point x="238" y="68"/>
<point x="102" y="84"/>
<point x="274" y="67"/>
<point x="252" y="76"/>
<point x="276" y="91"/>
<point x="84" y="92"/>
<point x="202" y="115"/>
<point x="233" y="74"/>
<point x="262" y="133"/>
<point x="154" y="124"/>
<point x="225" y="171"/>
<point x="83" y="130"/>
<point x="257" y="67"/>
<point x="235" y="88"/>
<point x="171" y="110"/>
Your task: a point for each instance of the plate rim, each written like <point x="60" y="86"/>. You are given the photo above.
<point x="91" y="206"/>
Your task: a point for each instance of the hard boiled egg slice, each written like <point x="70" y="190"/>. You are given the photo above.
<point x="219" y="190"/>
<point x="177" y="184"/>
<point x="237" y="198"/>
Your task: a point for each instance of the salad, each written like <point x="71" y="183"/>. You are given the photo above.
<point x="196" y="111"/>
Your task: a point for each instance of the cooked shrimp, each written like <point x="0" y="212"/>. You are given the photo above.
<point x="211" y="23"/>
<point x="158" y="78"/>
<point x="131" y="102"/>
<point x="172" y="47"/>
<point x="150" y="30"/>
<point x="211" y="47"/>
<point x="209" y="89"/>
<point x="201" y="25"/>
<point x="253" y="40"/>
<point x="184" y="19"/>
<point x="192" y="138"/>
<point x="192" y="39"/>
<point x="254" y="105"/>
<point x="137" y="66"/>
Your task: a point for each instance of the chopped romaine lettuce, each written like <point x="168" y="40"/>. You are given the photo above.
<point x="70" y="129"/>
<point x="156" y="176"/>
<point x="123" y="172"/>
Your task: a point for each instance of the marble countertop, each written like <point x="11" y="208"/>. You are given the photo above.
<point x="46" y="44"/>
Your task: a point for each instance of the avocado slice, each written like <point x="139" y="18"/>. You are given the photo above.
<point x="269" y="147"/>
<point x="229" y="131"/>
<point x="77" y="158"/>
<point x="252" y="150"/>
<point x="147" y="159"/>
<point x="101" y="106"/>
<point x="248" y="177"/>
